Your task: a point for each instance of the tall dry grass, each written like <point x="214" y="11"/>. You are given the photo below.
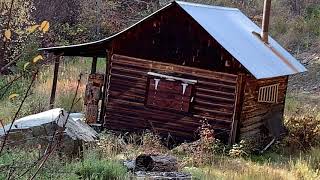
<point x="38" y="100"/>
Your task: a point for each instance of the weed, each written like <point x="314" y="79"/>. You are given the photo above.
<point x="95" y="168"/>
<point x="304" y="132"/>
<point x="238" y="150"/>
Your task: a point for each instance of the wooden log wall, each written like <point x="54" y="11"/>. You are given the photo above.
<point x="254" y="114"/>
<point x="214" y="99"/>
<point x="172" y="36"/>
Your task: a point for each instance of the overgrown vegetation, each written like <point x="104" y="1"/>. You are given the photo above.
<point x="92" y="167"/>
<point x="38" y="100"/>
<point x="207" y="158"/>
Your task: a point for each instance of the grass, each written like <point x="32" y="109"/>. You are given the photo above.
<point x="92" y="167"/>
<point x="302" y="103"/>
<point x="269" y="166"/>
<point x="38" y="100"/>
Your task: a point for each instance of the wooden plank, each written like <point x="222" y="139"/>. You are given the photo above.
<point x="133" y="70"/>
<point x="94" y="65"/>
<point x="222" y="113"/>
<point x="210" y="91"/>
<point x="251" y="127"/>
<point x="106" y="86"/>
<point x="129" y="98"/>
<point x="143" y="68"/>
<point x="213" y="105"/>
<point x="214" y="98"/>
<point x="128" y="84"/>
<point x="152" y="113"/>
<point x="156" y="114"/>
<point x="238" y="107"/>
<point x="54" y="81"/>
<point x="219" y="86"/>
<point x="173" y="68"/>
<point x="213" y="117"/>
<point x="148" y="123"/>
<point x="210" y="118"/>
<point x="123" y="89"/>
<point x="252" y="120"/>
<point x="141" y="79"/>
<point x="251" y="133"/>
<point x="128" y="73"/>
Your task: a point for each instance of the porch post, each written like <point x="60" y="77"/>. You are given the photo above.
<point x="55" y="80"/>
<point x="105" y="86"/>
<point x="94" y="65"/>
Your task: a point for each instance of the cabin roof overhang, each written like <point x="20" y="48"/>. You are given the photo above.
<point x="228" y="26"/>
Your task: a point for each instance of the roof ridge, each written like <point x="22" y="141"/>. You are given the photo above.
<point x="207" y="6"/>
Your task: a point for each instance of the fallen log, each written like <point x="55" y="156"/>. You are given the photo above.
<point x="156" y="163"/>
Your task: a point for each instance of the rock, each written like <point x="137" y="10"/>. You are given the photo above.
<point x="163" y="175"/>
<point x="130" y="164"/>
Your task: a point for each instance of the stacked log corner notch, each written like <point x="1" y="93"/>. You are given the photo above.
<point x="254" y="114"/>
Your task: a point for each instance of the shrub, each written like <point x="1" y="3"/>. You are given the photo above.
<point x="239" y="150"/>
<point x="110" y="144"/>
<point x="152" y="144"/>
<point x="207" y="150"/>
<point x="304" y="132"/>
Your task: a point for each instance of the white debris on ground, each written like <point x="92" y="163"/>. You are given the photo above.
<point x="75" y="128"/>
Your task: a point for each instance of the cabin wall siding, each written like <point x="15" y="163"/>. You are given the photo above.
<point x="174" y="37"/>
<point x="254" y="114"/>
<point x="214" y="99"/>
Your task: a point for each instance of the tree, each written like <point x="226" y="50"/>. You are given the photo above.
<point x="15" y="18"/>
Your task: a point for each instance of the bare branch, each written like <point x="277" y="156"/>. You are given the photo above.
<point x="10" y="63"/>
<point x="16" y="114"/>
<point x="60" y="131"/>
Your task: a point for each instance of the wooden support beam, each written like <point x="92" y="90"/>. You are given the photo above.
<point x="94" y="65"/>
<point x="105" y="87"/>
<point x="54" y="82"/>
<point x="237" y="108"/>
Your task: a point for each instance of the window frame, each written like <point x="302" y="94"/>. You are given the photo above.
<point x="161" y="77"/>
<point x="269" y="93"/>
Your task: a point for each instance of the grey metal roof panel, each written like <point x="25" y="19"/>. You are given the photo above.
<point x="233" y="30"/>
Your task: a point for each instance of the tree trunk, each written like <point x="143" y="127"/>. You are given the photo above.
<point x="158" y="163"/>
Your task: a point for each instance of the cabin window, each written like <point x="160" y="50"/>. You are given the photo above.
<point x="268" y="94"/>
<point x="169" y="92"/>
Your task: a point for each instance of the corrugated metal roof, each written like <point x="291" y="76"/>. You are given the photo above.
<point x="234" y="31"/>
<point x="231" y="28"/>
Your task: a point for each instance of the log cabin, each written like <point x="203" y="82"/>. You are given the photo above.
<point x="186" y="64"/>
